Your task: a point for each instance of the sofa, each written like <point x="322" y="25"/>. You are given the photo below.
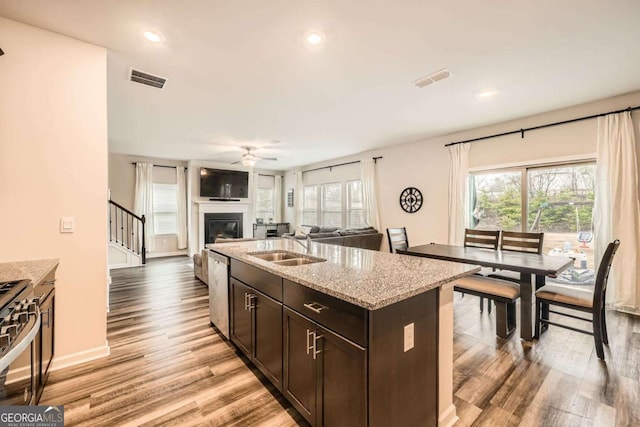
<point x="364" y="237"/>
<point x="201" y="260"/>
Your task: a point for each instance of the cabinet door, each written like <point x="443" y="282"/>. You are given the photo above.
<point x="267" y="344"/>
<point x="241" y="316"/>
<point x="300" y="368"/>
<point x="47" y="319"/>
<point x="343" y="370"/>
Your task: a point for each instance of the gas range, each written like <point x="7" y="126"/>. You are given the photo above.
<point x="17" y="306"/>
<point x="19" y="326"/>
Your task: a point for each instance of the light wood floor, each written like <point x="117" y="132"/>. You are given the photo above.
<point x="168" y="367"/>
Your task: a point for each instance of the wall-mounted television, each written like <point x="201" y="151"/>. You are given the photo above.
<point x="224" y="184"/>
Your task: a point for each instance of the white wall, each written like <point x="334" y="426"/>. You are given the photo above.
<point x="53" y="163"/>
<point x="425" y="164"/>
<point x="122" y="182"/>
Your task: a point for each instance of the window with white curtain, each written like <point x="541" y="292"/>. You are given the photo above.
<point x="165" y="209"/>
<point x="264" y="204"/>
<point x="310" y="205"/>
<point x="265" y="197"/>
<point x="331" y="205"/>
<point x="355" y="207"/>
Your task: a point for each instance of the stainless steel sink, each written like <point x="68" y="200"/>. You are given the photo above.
<point x="297" y="261"/>
<point x="286" y="258"/>
<point x="274" y="255"/>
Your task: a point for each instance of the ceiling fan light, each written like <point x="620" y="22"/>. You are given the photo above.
<point x="248" y="161"/>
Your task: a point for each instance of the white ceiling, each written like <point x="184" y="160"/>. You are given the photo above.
<point x="240" y="74"/>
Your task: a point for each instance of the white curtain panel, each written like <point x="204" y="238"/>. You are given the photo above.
<point x="277" y="198"/>
<point x="299" y="199"/>
<point x="143" y="201"/>
<point x="182" y="207"/>
<point x="617" y="208"/>
<point x="369" y="192"/>
<point x="458" y="192"/>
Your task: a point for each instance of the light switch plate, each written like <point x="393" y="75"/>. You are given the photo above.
<point x="409" y="337"/>
<point x="67" y="224"/>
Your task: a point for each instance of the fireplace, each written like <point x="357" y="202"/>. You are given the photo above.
<point x="222" y="225"/>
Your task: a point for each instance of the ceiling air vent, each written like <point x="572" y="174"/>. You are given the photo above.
<point x="432" y="78"/>
<point x="147" y="79"/>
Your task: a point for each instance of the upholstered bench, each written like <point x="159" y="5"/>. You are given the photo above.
<point x="504" y="293"/>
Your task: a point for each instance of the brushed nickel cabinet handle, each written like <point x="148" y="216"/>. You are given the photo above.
<point x="309" y="345"/>
<point x="315" y="307"/>
<point x="316" y="352"/>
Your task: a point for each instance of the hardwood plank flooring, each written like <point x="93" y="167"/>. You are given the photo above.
<point x="168" y="367"/>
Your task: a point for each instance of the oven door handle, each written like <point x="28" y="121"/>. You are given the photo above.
<point x="17" y="349"/>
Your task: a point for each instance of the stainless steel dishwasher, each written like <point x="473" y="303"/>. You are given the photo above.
<point x="219" y="291"/>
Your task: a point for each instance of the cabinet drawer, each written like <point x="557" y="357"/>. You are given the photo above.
<point x="265" y="282"/>
<point x="342" y="317"/>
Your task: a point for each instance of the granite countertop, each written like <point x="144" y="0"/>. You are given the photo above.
<point x="35" y="270"/>
<point x="369" y="279"/>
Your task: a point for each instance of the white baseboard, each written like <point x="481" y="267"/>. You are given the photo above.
<point x="449" y="417"/>
<point x="80" y="357"/>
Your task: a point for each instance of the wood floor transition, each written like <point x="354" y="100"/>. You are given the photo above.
<point x="169" y="367"/>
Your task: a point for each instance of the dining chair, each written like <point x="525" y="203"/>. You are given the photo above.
<point x="488" y="239"/>
<point x="580" y="298"/>
<point x="398" y="239"/>
<point x="518" y="242"/>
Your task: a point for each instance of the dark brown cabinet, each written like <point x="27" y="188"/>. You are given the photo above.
<point x="299" y="365"/>
<point x="241" y="318"/>
<point x="339" y="364"/>
<point x="325" y="374"/>
<point x="267" y="337"/>
<point x="256" y="329"/>
<point x="44" y="340"/>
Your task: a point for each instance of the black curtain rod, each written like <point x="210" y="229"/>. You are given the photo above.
<point x="522" y="131"/>
<point x="160" y="166"/>
<point x="375" y="159"/>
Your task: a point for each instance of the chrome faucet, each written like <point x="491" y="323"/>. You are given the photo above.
<point x="306" y="247"/>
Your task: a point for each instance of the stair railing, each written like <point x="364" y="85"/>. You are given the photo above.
<point x="127" y="229"/>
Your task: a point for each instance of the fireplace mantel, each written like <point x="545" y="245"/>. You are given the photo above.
<point x="206" y="206"/>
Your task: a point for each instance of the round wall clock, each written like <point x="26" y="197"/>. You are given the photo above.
<point x="411" y="199"/>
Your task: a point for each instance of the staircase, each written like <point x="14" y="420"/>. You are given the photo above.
<point x="126" y="237"/>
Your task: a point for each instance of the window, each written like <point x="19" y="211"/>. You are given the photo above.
<point x="310" y="205"/>
<point x="331" y="209"/>
<point x="496" y="201"/>
<point x="165" y="209"/>
<point x="355" y="206"/>
<point x="555" y="199"/>
<point x="264" y="204"/>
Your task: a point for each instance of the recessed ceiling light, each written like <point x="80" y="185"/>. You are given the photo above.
<point x="153" y="36"/>
<point x="486" y="93"/>
<point x="314" y="38"/>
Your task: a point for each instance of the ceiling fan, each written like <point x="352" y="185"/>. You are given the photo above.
<point x="249" y="159"/>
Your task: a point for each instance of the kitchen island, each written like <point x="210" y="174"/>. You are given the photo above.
<point x="349" y="336"/>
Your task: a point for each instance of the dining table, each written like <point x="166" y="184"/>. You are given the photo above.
<point x="526" y="263"/>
